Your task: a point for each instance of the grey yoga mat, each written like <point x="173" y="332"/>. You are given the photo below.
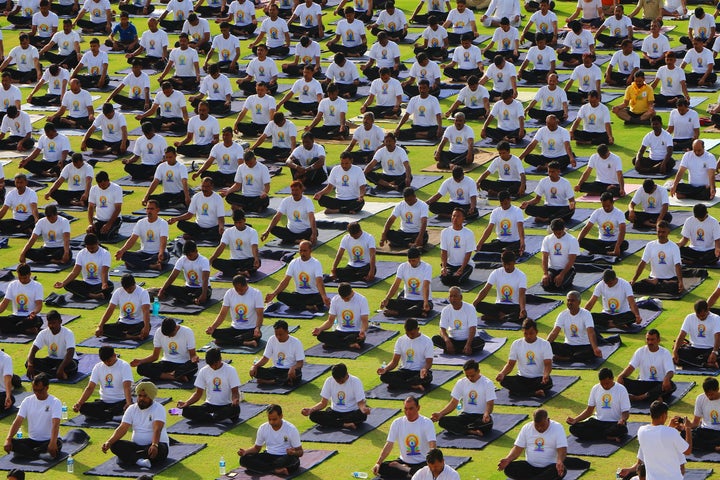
<point x="189" y="427"/>
<point x="309" y="373"/>
<point x="560" y="384"/>
<point x="178" y="452"/>
<point x="374" y="337"/>
<point x="440" y="377"/>
<point x="601" y="448"/>
<point x="502" y="423"/>
<point x="321" y="434"/>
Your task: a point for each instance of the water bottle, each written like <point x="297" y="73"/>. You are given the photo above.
<point x="64" y="411"/>
<point x="618" y="476"/>
<point x="19" y="433"/>
<point x="222" y="465"/>
<point x="156" y="307"/>
<point x="383" y="365"/>
<point x="360" y="475"/>
<point x="256" y="360"/>
<point x="70" y="464"/>
<point x="459" y="405"/>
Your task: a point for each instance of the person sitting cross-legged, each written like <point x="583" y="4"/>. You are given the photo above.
<point x="349" y="312"/>
<point x="457" y="244"/>
<point x="413" y="352"/>
<point x="228" y="155"/>
<point x="55" y="232"/>
<point x="698" y="341"/>
<point x="220" y="383"/>
<point x="458" y="327"/>
<point x="114" y="139"/>
<point x="705" y="431"/>
<point x="700" y="167"/>
<point x="25" y="297"/>
<point x="349" y="184"/>
<point x="307" y="162"/>
<point x="346" y="395"/>
<point x="595" y="117"/>
<point x="510" y="171"/>
<point x="577" y="325"/>
<point x="655" y="371"/>
<point x="702" y="231"/>
<point x="619" y="309"/>
<point x="307" y="275"/>
<point x="608" y="174"/>
<point x="654" y="201"/>
<point x="60" y="342"/>
<point x="559" y="197"/>
<point x="134" y="320"/>
<point x="461" y="139"/>
<point x="196" y="271"/>
<point x="93" y="262"/>
<point x="462" y="191"/>
<point x="208" y="209"/>
<point x="395" y="171"/>
<point x="360" y="247"/>
<point x="611" y="229"/>
<point x="533" y="357"/>
<point x="413" y="215"/>
<point x="245" y="305"/>
<point x="300" y="213"/>
<point x="555" y="147"/>
<point x="18" y="125"/>
<point x="79" y="175"/>
<point x="114" y="376"/>
<point x="510" y="285"/>
<point x="153" y="234"/>
<point x="287" y="355"/>
<point x="665" y="261"/>
<point x="242" y="240"/>
<point x="179" y="361"/>
<point x="252" y="180"/>
<point x="282" y="445"/>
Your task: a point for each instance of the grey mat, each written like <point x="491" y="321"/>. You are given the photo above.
<point x="560" y="384"/>
<point x="177" y="385"/>
<point x="580" y="162"/>
<point x="705" y="372"/>
<point x="127" y="181"/>
<point x="383" y="269"/>
<point x="580" y="215"/>
<point x="438" y="304"/>
<point x="321" y="434"/>
<point x="683" y="388"/>
<point x="607" y="350"/>
<point x="73" y="441"/>
<point x="178" y="452"/>
<point x="435" y="221"/>
<point x="632" y="173"/>
<point x="20" y="338"/>
<point x="454" y="462"/>
<point x="690" y="283"/>
<point x="581" y="282"/>
<point x="188" y="427"/>
<point x="647" y="316"/>
<point x="280" y="310"/>
<point x="267" y="268"/>
<point x="121" y="270"/>
<point x="706" y="89"/>
<point x="535" y="306"/>
<point x="440" y="377"/>
<point x="679" y="217"/>
<point x="374" y="337"/>
<point x="309" y="460"/>
<point x="47" y="267"/>
<point x="562" y="78"/>
<point x="700" y="456"/>
<point x="266" y="331"/>
<point x="81" y="421"/>
<point x="502" y="423"/>
<point x="492" y="345"/>
<point x="81" y="304"/>
<point x="602" y="448"/>
<point x="72" y="132"/>
<point x="123" y="234"/>
<point x="137" y="131"/>
<point x="86" y="362"/>
<point x="169" y="305"/>
<point x="323" y="236"/>
<point x="697" y="473"/>
<point x="477" y="278"/>
<point x="533" y="243"/>
<point x="418" y="182"/>
<point x="310" y="372"/>
<point x="574" y="474"/>
<point x="634" y="246"/>
<point x="97" y="342"/>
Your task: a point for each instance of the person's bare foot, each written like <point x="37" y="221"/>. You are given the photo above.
<point x="637" y="398"/>
<point x="614" y="439"/>
<point x="355" y="346"/>
<point x="281" y="471"/>
<point x="155" y="266"/>
<point x="96" y="296"/>
<point x="419" y="388"/>
<point x="77" y="203"/>
<point x="251" y="343"/>
<point x="478" y="433"/>
<point x="351" y="426"/>
<point x="540" y="393"/>
<point x="265" y="381"/>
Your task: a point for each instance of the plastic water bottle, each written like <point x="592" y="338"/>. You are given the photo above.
<point x="256" y="360"/>
<point x="19" y="433"/>
<point x="222" y="465"/>
<point x="64" y="411"/>
<point x="360" y="475"/>
<point x="70" y="464"/>
<point x="618" y="476"/>
<point x="459" y="405"/>
<point x="156" y="307"/>
<point x="383" y="365"/>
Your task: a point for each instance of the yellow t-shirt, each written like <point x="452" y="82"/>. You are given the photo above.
<point x="638" y="98"/>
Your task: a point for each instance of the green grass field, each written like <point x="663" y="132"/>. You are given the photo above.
<point x="362" y="454"/>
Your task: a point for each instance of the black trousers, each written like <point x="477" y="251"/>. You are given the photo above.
<point x="184" y="83"/>
<point x="664" y="101"/>
<point x="97" y="144"/>
<point x="19" y="20"/>
<point x="448" y="158"/>
<point x="66" y="197"/>
<point x="251" y="129"/>
<point x="91" y="26"/>
<point x="11" y="142"/>
<point x="446" y="208"/>
<point x="407" y="308"/>
<point x="604" y="320"/>
<point x="112" y="232"/>
<point x="38" y="167"/>
<point x="345" y="206"/>
<point x="220" y="180"/>
<point x="195" y="150"/>
<point x="241" y="30"/>
<point x="496" y="186"/>
<point x="130" y="452"/>
<point x="381" y="111"/>
<point x="498" y="246"/>
<point x="333" y="419"/>
<point x="538" y="160"/>
<point x="22" y="77"/>
<point x="91" y="81"/>
<point x="17" y="324"/>
<point x="392" y="473"/>
<point x="10" y="226"/>
<point x="29" y="448"/>
<point x="601" y="247"/>
<point x="351" y="274"/>
<point x="231" y="267"/>
<point x="705" y="439"/>
<point x="653" y="389"/>
<point x="541" y="115"/>
<point x="266" y="463"/>
<point x="692" y="192"/>
<point x="286" y="236"/>
<point x="45" y="100"/>
<point x="550" y="212"/>
<point x="339" y="340"/>
<point x="121" y="331"/>
<point x="535" y="76"/>
<point x="140" y="171"/>
<point x="127" y="103"/>
<point x="496" y="312"/>
<point x="176" y="124"/>
<point x="139" y="260"/>
<point x="400" y="239"/>
<point x="477" y="344"/>
<point x="692" y="78"/>
<point x="311" y="177"/>
<point x="599" y="188"/>
<point x="277" y="375"/>
<point x="49" y="366"/>
<point x="358" y="50"/>
<point x="329" y="132"/>
<point x="154" y="370"/>
<point x="577" y="97"/>
<point x="273" y="154"/>
<point x="522" y="470"/>
<point x="45" y="254"/>
<point x="642" y="217"/>
<point x="377" y="176"/>
<point x="667" y="285"/>
<point x="70" y="61"/>
<point x="434" y="53"/>
<point x="233" y="336"/>
<point x="73" y="122"/>
<point x="461" y="73"/>
<point x="404" y="378"/>
<point x="525" y="386"/>
<point x="198" y="232"/>
<point x="300" y="301"/>
<point x="422" y="18"/>
<point x="167" y="200"/>
<point x="147" y="61"/>
<point x="576" y="353"/>
<point x="209" y="413"/>
<point x="463" y="423"/>
<point x="498" y="134"/>
<point x="80" y="288"/>
<point x="567" y="283"/>
<point x="594" y="429"/>
<point x="694" y="257"/>
<point x="102" y="410"/>
<point x="248" y="88"/>
<point x="596" y="138"/>
<point x="136" y="10"/>
<point x="451" y="279"/>
<point x="693" y="357"/>
<point x="186" y="295"/>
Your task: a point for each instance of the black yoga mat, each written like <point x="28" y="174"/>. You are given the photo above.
<point x="280" y="310"/>
<point x="440" y="377"/>
<point x="560" y="384"/>
<point x="444" y="222"/>
<point x="683" y="388"/>
<point x="581" y="282"/>
<point x="374" y="337"/>
<point x="268" y="266"/>
<point x="580" y="162"/>
<point x="690" y="284"/>
<point x="97" y="342"/>
<point x="607" y="350"/>
<point x="189" y="427"/>
<point x="383" y="269"/>
<point x="22" y="338"/>
<point x="451" y="461"/>
<point x="266" y="331"/>
<point x="532" y="248"/>
<point x="700" y="456"/>
<point x="73" y="441"/>
<point x="170" y="305"/>
<point x="632" y="173"/>
<point x="320" y="434"/>
<point x="601" y="448"/>
<point x="697" y="473"/>
<point x="502" y="423"/>
<point x="535" y="306"/>
<point x="492" y="345"/>
<point x="178" y="452"/>
<point x="309" y="373"/>
<point x="71" y="301"/>
<point x="309" y="460"/>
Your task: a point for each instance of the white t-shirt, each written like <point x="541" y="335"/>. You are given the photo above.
<point x="435" y="38"/>
<point x="216" y="88"/>
<point x="77" y="103"/>
<point x="474" y="395"/>
<point x="242" y="12"/>
<point x="702" y="234"/>
<point x="541" y="448"/>
<point x="197" y="32"/>
<point x="8" y="97"/>
<point x="552" y="142"/>
<point x="684" y="125"/>
<point x="259" y="108"/>
<point x="226" y="47"/>
<point x="274" y="31"/>
<point x="618" y="28"/>
<point x="305" y="156"/>
<point x="671" y="82"/>
<point x="386" y="93"/>
<point x="698" y="168"/>
<point x="460" y="192"/>
<point x="332" y="109"/>
<point x="304" y="273"/>
<point x="24" y="59"/>
<point x="227" y="158"/>
<point x="458" y="322"/>
<point x="579" y="43"/>
<point x="544" y="23"/>
<point x="94" y="63"/>
<point x="505" y="41"/>
<point x="358" y="249"/>
<point x="39" y="415"/>
<point x="541" y="59"/>
<point x="130" y="304"/>
<point x="458" y="139"/>
<point x="614" y="299"/>
<point x="507" y="285"/>
<point x="65" y="42"/>
<point x="651" y="203"/>
<point x="307" y="92"/>
<point x="506" y="222"/>
<point x="467" y="58"/>
<point x="239" y="242"/>
<point x="551" y="100"/>
<point x="91" y="264"/>
<point x="457" y="244"/>
<point x="414" y="278"/>
<point x="346" y="74"/>
<point x="281" y="136"/>
<point x="57" y="345"/>
<point x="606" y="168"/>
<point x="530" y="357"/>
<point x="508" y="116"/>
<point x="384" y="56"/>
<point x="349" y="313"/>
<point x="559" y="249"/>
<point x="182" y="9"/>
<point x="343" y="397"/>
<point x="413" y="351"/>
<point x="411" y="215"/>
<point x="699" y="61"/>
<point x="708" y="410"/>
<point x="430" y="72"/>
<point x="154" y="42"/>
<point x="203" y="131"/>
<point x="111" y="127"/>
<point x="6" y="368"/>
<point x="150" y="150"/>
<point x="701" y="333"/>
<point x="136" y="85"/>
<point x="142" y="421"/>
<point x="297" y="212"/>
<point x="556" y="194"/>
<point x="53" y="148"/>
<point x="652" y="366"/>
<point x="662" y="451"/>
<point x="55" y="83"/>
<point x="655" y="47"/>
<point x="192" y="270"/>
<point x="586" y="78"/>
<point x="252" y="180"/>
<point x="575" y="326"/>
<point x="424" y="110"/>
<point x="308" y="55"/>
<point x="21" y="205"/>
<point x="169" y="106"/>
<point x="460" y="22"/>
<point x="701" y="26"/>
<point x="218" y="384"/>
<point x="609" y="404"/>
<point x="394" y="22"/>
<point x="278" y="441"/>
<point x="662" y="258"/>
<point x="347" y="183"/>
<point x="508" y="171"/>
<point x="207" y="210"/>
<point x="609" y="223"/>
<point x="262" y="70"/>
<point x="97" y="10"/>
<point x="286" y="354"/>
<point x="393" y="163"/>
<point x="52" y="233"/>
<point x="111" y="380"/>
<point x="171" y="176"/>
<point x="176" y="348"/>
<point x="412" y="438"/>
<point x="243" y="308"/>
<point x="625" y="63"/>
